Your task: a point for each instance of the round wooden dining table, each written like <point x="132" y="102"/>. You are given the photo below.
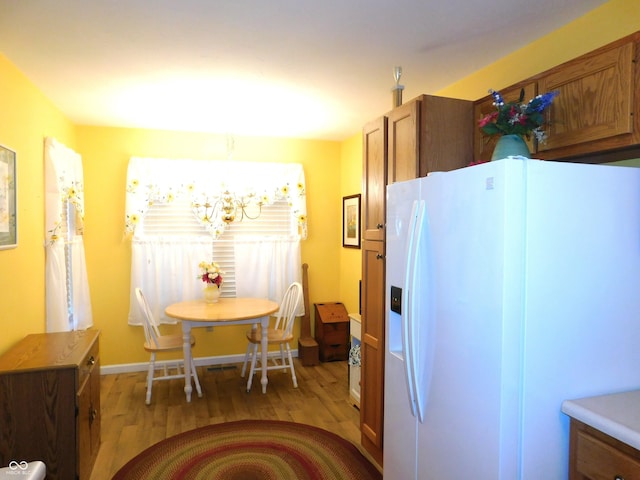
<point x="227" y="311"/>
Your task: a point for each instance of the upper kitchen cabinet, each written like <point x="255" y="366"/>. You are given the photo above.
<point x="374" y="178"/>
<point x="596" y="116"/>
<point x="429" y="134"/>
<point x="595" y="109"/>
<point x="484" y="144"/>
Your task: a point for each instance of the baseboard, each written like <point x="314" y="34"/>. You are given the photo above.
<point x="200" y="362"/>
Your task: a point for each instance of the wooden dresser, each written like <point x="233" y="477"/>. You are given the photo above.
<point x="50" y="403"/>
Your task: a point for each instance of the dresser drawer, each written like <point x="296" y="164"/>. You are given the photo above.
<point x="596" y="459"/>
<point x="88" y="363"/>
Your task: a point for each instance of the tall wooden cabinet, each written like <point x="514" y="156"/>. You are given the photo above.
<point x="424" y="135"/>
<point x="374" y="184"/>
<point x="50" y="403"/>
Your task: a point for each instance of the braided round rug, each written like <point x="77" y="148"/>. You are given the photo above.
<point x="251" y="450"/>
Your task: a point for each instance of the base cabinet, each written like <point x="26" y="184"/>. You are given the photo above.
<point x="50" y="403"/>
<point x="594" y="455"/>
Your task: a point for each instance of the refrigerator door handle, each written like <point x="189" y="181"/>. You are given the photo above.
<point x="421" y="363"/>
<point x="408" y="301"/>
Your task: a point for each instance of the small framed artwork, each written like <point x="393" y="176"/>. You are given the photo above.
<point x="8" y="220"/>
<point x="351" y="221"/>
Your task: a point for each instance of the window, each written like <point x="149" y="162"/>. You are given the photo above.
<point x="176" y="219"/>
<point x="68" y="303"/>
<point x="174" y="225"/>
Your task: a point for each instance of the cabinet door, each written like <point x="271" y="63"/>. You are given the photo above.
<point x="372" y="348"/>
<point x="88" y="418"/>
<point x="483" y="145"/>
<point x="374" y="179"/>
<point x="403" y="148"/>
<point x="595" y="100"/>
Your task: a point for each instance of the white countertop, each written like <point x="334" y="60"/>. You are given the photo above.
<point x="617" y="415"/>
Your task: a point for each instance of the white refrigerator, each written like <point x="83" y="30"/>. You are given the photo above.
<point x="512" y="286"/>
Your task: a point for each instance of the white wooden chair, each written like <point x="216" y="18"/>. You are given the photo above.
<point x="156" y="343"/>
<point x="281" y="334"/>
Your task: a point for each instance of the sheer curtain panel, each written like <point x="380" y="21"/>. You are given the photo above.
<point x="261" y="258"/>
<point x="68" y="303"/>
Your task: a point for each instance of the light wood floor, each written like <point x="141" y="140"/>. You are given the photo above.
<point x="129" y="425"/>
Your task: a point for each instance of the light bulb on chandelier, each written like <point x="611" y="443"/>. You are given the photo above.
<point x="228" y="206"/>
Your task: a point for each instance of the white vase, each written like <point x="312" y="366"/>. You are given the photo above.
<point x="211" y="293"/>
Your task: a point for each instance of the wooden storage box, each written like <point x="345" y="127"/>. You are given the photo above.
<point x="332" y="331"/>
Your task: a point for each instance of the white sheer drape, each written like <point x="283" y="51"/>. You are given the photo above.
<point x="266" y="266"/>
<point x="151" y="180"/>
<point x="65" y="269"/>
<point x="166" y="267"/>
<point x="176" y="283"/>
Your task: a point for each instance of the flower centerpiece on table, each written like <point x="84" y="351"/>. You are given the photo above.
<point x="210" y="274"/>
<point x="517" y="118"/>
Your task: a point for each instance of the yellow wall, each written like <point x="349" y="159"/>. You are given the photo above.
<point x="350" y="258"/>
<point x="106" y="152"/>
<point x="613" y="20"/>
<point x="27" y="116"/>
<point x="332" y="169"/>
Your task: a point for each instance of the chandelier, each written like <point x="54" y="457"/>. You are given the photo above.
<point x="228" y="206"/>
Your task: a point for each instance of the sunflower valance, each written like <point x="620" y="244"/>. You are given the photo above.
<point x="207" y="183"/>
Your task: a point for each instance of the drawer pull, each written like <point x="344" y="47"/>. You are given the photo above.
<point x="618" y="477"/>
<point x="91" y="361"/>
<point x="93" y="413"/>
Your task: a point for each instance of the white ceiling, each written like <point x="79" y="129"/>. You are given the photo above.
<point x="294" y="68"/>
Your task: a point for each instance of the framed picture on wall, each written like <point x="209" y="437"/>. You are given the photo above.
<point x="8" y="220"/>
<point x="351" y="221"/>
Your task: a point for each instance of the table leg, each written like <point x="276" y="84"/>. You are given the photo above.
<point x="263" y="351"/>
<point x="186" y="351"/>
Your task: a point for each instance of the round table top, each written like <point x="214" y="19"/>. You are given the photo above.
<point x="226" y="309"/>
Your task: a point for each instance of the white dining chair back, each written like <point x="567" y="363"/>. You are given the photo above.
<point x="281" y="334"/>
<point x="156" y="343"/>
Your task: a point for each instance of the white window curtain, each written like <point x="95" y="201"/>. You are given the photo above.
<point x="165" y="267"/>
<point x="207" y="183"/>
<point x="68" y="303"/>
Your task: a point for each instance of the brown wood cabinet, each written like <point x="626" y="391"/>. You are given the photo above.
<point x="426" y="134"/>
<point x="429" y="134"/>
<point x="374" y="178"/>
<point x="594" y="455"/>
<point x="50" y="403"/>
<point x="595" y="104"/>
<point x="372" y="348"/>
<point x="595" y="117"/>
<point x="374" y="184"/>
